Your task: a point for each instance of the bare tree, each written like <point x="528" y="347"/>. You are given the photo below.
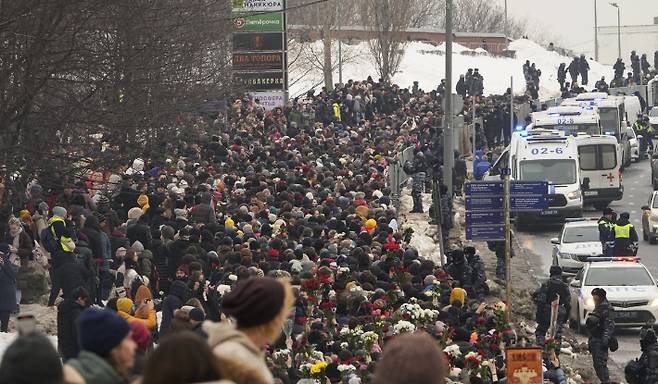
<point x="87" y="84"/>
<point x="387" y="18"/>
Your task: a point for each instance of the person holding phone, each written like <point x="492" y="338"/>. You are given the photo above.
<point x="8" y="273"/>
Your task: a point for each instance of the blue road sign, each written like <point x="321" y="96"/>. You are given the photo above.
<point x="486" y="233"/>
<point x="484" y="218"/>
<point x="483" y="188"/>
<point x="484" y="203"/>
<point x="528" y="203"/>
<point x="528" y="188"/>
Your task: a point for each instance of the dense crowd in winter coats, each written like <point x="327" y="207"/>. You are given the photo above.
<point x="269" y="248"/>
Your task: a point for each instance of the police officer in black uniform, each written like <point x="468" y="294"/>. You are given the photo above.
<point x="601" y="327"/>
<point x="607" y="232"/>
<point x="543" y="297"/>
<point x="419" y="169"/>
<point x="645" y="369"/>
<point x="478" y="278"/>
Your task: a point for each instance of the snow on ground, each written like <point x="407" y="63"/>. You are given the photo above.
<point x="423" y="237"/>
<point x="7" y="338"/>
<point x="425" y="63"/>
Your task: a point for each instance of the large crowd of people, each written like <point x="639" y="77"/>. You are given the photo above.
<point x="269" y="251"/>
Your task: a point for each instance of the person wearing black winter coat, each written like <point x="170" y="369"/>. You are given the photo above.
<point x="561" y="75"/>
<point x="140" y="231"/>
<point x="583" y="68"/>
<point x="8" y="273"/>
<point x="178" y="293"/>
<point x="72" y="275"/>
<point x="67" y="314"/>
<point x="574" y="69"/>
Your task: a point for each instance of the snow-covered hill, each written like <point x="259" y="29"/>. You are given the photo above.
<point x="425" y="63"/>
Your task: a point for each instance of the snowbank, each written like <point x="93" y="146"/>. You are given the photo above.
<point x="425" y="63"/>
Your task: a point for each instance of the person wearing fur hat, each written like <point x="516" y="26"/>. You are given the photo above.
<point x="107" y="353"/>
<point x="259" y="307"/>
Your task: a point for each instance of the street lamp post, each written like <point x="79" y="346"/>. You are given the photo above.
<point x="596" y="33"/>
<point x="618" y="28"/>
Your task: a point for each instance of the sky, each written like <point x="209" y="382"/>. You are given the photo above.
<point x="571" y="22"/>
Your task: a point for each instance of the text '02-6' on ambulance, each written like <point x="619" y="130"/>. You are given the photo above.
<point x="544" y="155"/>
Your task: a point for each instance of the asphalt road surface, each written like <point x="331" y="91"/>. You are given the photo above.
<point x="637" y="190"/>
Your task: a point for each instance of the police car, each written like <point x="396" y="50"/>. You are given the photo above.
<point x="630" y="288"/>
<point x="578" y="241"/>
<point x="650" y="219"/>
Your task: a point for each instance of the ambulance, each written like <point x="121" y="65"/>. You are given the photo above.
<point x="571" y="120"/>
<point x="600" y="169"/>
<point x="544" y="155"/>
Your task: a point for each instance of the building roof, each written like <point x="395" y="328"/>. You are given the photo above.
<point x="360" y="28"/>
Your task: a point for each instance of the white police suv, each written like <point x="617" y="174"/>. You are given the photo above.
<point x="578" y="241"/>
<point x="630" y="289"/>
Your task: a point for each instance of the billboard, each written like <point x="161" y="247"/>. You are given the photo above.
<point x="257" y="5"/>
<point x="260" y="22"/>
<point x="257" y="61"/>
<point x="259" y="80"/>
<point x="269" y="100"/>
<point x="257" y="42"/>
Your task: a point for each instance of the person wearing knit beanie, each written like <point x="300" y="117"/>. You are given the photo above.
<point x="59" y="212"/>
<point x="259" y="306"/>
<point x="411" y="358"/>
<point x="107" y="349"/>
<point x="134" y="213"/>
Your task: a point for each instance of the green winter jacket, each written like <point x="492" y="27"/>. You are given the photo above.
<point x="89" y="368"/>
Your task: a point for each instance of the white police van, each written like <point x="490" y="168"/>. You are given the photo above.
<point x="629" y="286"/>
<point x="544" y="155"/>
<point x="600" y="169"/>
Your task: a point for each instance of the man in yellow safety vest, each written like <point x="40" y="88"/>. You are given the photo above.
<point x="625" y="236"/>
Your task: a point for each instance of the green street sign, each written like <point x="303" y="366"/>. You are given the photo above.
<point x="271" y="22"/>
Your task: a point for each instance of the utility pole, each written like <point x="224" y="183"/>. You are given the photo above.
<point x="448" y="152"/>
<point x="506" y="213"/>
<point x="340" y="45"/>
<point x="618" y="28"/>
<point x="506" y="30"/>
<point x="596" y="33"/>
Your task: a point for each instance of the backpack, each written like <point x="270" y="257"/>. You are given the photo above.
<point x="633" y="372"/>
<point x="48" y="240"/>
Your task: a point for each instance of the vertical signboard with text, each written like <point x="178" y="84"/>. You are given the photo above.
<point x="260" y="50"/>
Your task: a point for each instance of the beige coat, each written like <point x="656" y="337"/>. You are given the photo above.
<point x="240" y="360"/>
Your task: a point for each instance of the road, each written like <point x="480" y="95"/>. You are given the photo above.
<point x="637" y="189"/>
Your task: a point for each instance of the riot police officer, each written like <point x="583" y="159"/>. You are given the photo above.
<point x="550" y="290"/>
<point x="607" y="232"/>
<point x="418" y="181"/>
<point x="645" y="369"/>
<point x="478" y="278"/>
<point x="601" y="327"/>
